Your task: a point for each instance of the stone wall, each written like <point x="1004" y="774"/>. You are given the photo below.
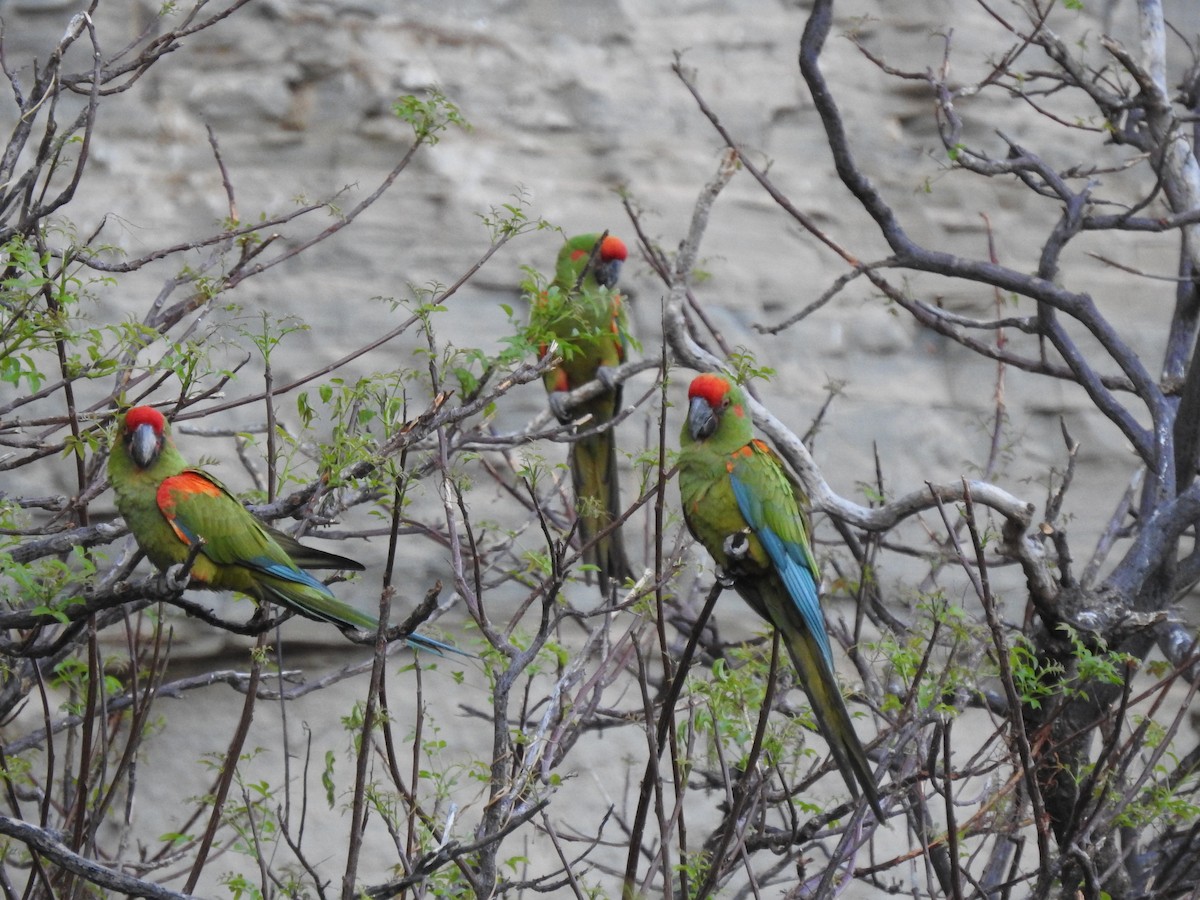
<point x="569" y="101"/>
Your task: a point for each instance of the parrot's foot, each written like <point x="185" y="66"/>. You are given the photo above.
<point x="178" y="577"/>
<point x="559" y="407"/>
<point x="736" y="546"/>
<point x="607" y="376"/>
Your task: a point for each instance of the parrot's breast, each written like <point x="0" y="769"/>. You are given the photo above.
<point x="712" y="515"/>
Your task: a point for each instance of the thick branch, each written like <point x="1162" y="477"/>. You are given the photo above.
<point x="46" y="844"/>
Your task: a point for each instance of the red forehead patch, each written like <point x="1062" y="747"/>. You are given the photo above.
<point x="710" y="387"/>
<point x="145" y="415"/>
<point x="613" y="248"/>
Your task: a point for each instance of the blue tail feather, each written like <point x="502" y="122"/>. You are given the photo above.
<point x="423" y="642"/>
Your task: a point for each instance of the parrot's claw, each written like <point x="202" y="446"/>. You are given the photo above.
<point x="725" y="579"/>
<point x="178" y="577"/>
<point x="607" y="376"/>
<point x="559" y="408"/>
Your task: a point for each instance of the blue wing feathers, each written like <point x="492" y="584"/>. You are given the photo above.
<point x="286" y="572"/>
<point x="790" y="563"/>
<point x="802" y="588"/>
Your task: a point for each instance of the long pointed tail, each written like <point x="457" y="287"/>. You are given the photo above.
<point x="832" y="716"/>
<point x="306" y="595"/>
<point x="419" y="641"/>
<point x="598" y="501"/>
<point x="312" y="599"/>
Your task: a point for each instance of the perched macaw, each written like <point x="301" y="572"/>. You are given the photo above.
<point x="170" y="506"/>
<point x="741" y="504"/>
<point x="586" y="315"/>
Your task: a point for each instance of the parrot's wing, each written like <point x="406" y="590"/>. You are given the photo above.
<point x="198" y="507"/>
<point x="618" y="350"/>
<point x="767" y="499"/>
<point x="626" y="344"/>
<point x="619" y="347"/>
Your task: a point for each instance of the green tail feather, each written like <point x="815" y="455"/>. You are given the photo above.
<point x="598" y="498"/>
<point x="322" y="606"/>
<point x="771" y="601"/>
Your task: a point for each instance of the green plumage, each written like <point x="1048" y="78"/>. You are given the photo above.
<point x="587" y="319"/>
<point x="169" y="507"/>
<point x="741" y="504"/>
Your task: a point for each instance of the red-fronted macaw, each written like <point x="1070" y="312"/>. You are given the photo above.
<point x="741" y="504"/>
<point x="585" y="314"/>
<point x="170" y="506"/>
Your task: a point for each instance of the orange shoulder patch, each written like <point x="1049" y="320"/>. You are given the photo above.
<point x="179" y="488"/>
<point x="743" y="452"/>
<point x="183" y="485"/>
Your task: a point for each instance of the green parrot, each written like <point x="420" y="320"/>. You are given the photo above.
<point x="170" y="506"/>
<point x="741" y="504"/>
<point x="586" y="315"/>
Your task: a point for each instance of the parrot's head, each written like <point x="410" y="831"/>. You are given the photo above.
<point x="609" y="257"/>
<point x="143" y="432"/>
<point x="709" y="398"/>
<point x="581" y="251"/>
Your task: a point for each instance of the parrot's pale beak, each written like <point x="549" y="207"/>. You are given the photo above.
<point x="701" y="420"/>
<point x="143" y="445"/>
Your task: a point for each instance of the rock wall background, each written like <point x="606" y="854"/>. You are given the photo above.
<point x="568" y="101"/>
